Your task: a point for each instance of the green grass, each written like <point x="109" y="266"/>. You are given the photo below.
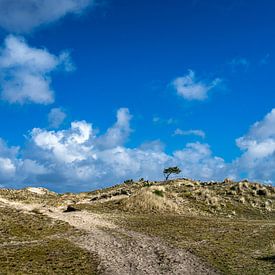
<point x="16" y="225"/>
<point x="232" y="246"/>
<point x="51" y="257"/>
<point x="240" y="244"/>
<point x="35" y="244"/>
<point x="229" y="225"/>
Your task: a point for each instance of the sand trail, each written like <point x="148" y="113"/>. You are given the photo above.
<point x="121" y="251"/>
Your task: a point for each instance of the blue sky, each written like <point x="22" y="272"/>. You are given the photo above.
<point x="93" y="93"/>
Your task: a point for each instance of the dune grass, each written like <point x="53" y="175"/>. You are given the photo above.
<point x="50" y="257"/>
<point x="232" y="246"/>
<point x="16" y="225"/>
<point x="230" y="225"/>
<point x="31" y="243"/>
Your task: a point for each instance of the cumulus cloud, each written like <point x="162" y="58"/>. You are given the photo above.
<point x="78" y="158"/>
<point x="118" y="133"/>
<point x="199" y="133"/>
<point x="198" y="162"/>
<point x="155" y="145"/>
<point x="56" y="117"/>
<point x="192" y="89"/>
<point x="65" y="146"/>
<point x="15" y="170"/>
<point x="25" y="15"/>
<point x="26" y="72"/>
<point x="258" y="146"/>
<point x="8" y="161"/>
<point x="7" y="168"/>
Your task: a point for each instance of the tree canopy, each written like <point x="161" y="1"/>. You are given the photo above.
<point x="171" y="170"/>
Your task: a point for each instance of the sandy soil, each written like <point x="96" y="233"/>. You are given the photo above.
<point x="121" y="251"/>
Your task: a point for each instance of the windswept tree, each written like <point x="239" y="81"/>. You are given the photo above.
<point x="171" y="170"/>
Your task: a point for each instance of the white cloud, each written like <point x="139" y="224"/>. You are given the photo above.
<point x="263" y="129"/>
<point x="65" y="146"/>
<point x="56" y="117"/>
<point x="192" y="89"/>
<point x="258" y="146"/>
<point x="77" y="159"/>
<point x="169" y="121"/>
<point x="118" y="133"/>
<point x="155" y="145"/>
<point x="199" y="163"/>
<point x="199" y="133"/>
<point x="25" y="72"/>
<point x="8" y="162"/>
<point x="14" y="169"/>
<point x="25" y="15"/>
<point x="123" y="163"/>
<point x="7" y="167"/>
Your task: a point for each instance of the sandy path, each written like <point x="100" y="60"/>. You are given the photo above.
<point x="121" y="251"/>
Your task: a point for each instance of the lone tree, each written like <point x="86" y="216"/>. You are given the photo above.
<point x="171" y="170"/>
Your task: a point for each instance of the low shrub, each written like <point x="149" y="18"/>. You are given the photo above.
<point x="158" y="193"/>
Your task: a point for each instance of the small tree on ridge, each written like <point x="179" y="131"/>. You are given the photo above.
<point x="171" y="170"/>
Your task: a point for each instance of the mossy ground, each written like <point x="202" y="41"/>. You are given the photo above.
<point x="49" y="257"/>
<point x="32" y="243"/>
<point x="235" y="245"/>
<point x="232" y="234"/>
<point x="231" y="225"/>
<point x="18" y="226"/>
<point x="232" y="246"/>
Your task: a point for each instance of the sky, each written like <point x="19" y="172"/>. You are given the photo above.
<point x="95" y="92"/>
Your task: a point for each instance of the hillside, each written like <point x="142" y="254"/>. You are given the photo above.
<point x="174" y="227"/>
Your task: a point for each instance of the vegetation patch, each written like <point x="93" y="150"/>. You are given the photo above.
<point x="230" y="225"/>
<point x="148" y="201"/>
<point x="16" y="225"/>
<point x="35" y="244"/>
<point x="232" y="246"/>
<point x="158" y="193"/>
<point x="51" y="257"/>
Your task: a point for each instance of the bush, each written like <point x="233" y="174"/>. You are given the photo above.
<point x="262" y="192"/>
<point x="147" y="184"/>
<point x="158" y="193"/>
<point x="130" y="181"/>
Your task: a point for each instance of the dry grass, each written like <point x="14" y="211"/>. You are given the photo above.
<point x="232" y="246"/>
<point x="18" y="226"/>
<point x="50" y="257"/>
<point x="31" y="243"/>
<point x="229" y="224"/>
<point x="149" y="200"/>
